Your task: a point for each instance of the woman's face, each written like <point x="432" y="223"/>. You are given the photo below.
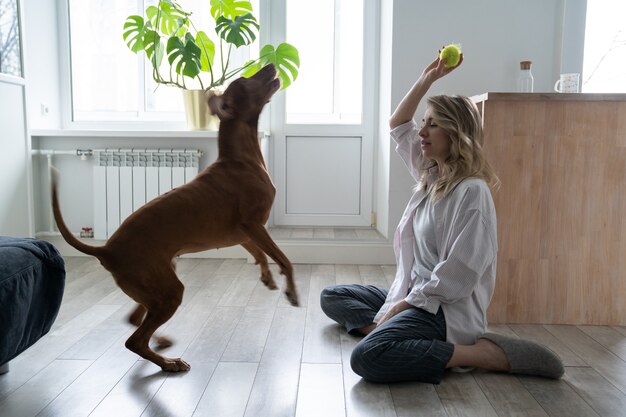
<point x="435" y="141"/>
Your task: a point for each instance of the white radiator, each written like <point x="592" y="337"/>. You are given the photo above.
<point x="126" y="179"/>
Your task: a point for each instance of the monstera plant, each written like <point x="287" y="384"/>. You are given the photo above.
<point x="168" y="32"/>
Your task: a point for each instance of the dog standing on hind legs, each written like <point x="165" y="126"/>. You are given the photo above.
<point x="228" y="203"/>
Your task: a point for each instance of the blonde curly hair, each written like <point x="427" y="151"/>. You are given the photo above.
<point x="459" y="117"/>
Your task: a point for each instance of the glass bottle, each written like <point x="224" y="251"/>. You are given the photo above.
<point x="525" y="80"/>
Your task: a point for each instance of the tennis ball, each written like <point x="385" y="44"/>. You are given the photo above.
<point x="452" y="55"/>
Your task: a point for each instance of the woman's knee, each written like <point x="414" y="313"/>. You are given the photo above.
<point x="384" y="361"/>
<point x="329" y="297"/>
<point x="364" y="359"/>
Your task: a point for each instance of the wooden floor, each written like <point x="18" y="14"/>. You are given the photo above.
<point x="252" y="354"/>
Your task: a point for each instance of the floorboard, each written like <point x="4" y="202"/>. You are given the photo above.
<point x="252" y="354"/>
<point x="363" y="399"/>
<point x="414" y="399"/>
<point x="593" y="353"/>
<point x="227" y="393"/>
<point x="275" y="388"/>
<point x="320" y="390"/>
<point x="461" y="396"/>
<point x="33" y="396"/>
<point x="601" y="395"/>
<point x="508" y="396"/>
<point x="557" y="398"/>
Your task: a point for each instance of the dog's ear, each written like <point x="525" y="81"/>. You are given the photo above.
<point x="220" y="106"/>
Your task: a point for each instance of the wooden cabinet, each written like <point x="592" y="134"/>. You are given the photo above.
<point x="561" y="206"/>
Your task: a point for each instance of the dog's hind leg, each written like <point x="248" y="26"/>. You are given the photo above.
<point x="262" y="239"/>
<point x="261" y="260"/>
<point x="160" y="306"/>
<point x="136" y="318"/>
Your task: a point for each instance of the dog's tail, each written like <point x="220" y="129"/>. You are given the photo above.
<point x="65" y="232"/>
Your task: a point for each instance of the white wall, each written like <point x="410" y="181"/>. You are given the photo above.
<point x="41" y="39"/>
<point x="573" y="36"/>
<point x="42" y="69"/>
<point x="15" y="177"/>
<point x="495" y="36"/>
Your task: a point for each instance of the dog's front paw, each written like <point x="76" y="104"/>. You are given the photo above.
<point x="292" y="297"/>
<point x="267" y="279"/>
<point x="269" y="282"/>
<point x="175" y="365"/>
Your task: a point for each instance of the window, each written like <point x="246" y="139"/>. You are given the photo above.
<point x="111" y="83"/>
<point x="10" y="54"/>
<point x="604" y="62"/>
<point x="329" y="86"/>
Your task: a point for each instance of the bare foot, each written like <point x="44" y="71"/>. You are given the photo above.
<point x="367" y="329"/>
<point x="483" y="354"/>
<point x="497" y="357"/>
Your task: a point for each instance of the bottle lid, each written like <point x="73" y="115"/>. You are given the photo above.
<point x="525" y="65"/>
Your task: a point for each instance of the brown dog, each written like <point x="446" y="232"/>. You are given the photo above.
<point x="226" y="204"/>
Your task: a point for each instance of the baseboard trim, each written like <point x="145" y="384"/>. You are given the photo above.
<point x="298" y="251"/>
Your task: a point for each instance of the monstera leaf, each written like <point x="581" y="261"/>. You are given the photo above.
<point x="139" y="36"/>
<point x="170" y="19"/>
<point x="207" y="51"/>
<point x="286" y="60"/>
<point x="152" y="43"/>
<point x="230" y="8"/>
<point x="184" y="55"/>
<point x="134" y="31"/>
<point x="238" y="31"/>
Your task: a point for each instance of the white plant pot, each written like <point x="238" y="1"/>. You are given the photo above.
<point x="197" y="112"/>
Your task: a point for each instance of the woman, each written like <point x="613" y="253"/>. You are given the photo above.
<point x="434" y="315"/>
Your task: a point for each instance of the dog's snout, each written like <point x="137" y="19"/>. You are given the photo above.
<point x="270" y="68"/>
<point x="268" y="71"/>
<point x="268" y="76"/>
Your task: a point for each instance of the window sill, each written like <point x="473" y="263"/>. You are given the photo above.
<point x="119" y="133"/>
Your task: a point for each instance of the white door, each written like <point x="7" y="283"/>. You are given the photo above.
<point x="322" y="126"/>
<point x="322" y="179"/>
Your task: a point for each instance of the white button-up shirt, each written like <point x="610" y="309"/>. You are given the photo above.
<point x="463" y="280"/>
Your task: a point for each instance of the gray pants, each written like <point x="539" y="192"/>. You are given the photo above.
<point x="410" y="346"/>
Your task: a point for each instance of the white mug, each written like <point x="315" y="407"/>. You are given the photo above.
<point x="568" y="83"/>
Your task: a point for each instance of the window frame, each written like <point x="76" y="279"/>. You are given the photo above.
<point x="277" y="8"/>
<point x="66" y="96"/>
<point x="269" y="11"/>
<point x="336" y="117"/>
<point x="20" y="43"/>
